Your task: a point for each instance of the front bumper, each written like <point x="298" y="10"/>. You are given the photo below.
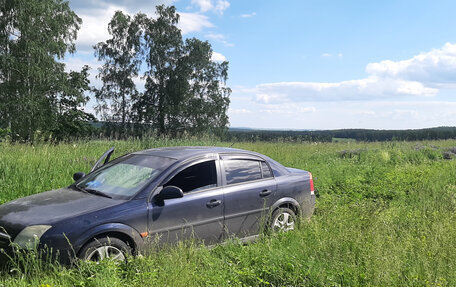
<point x="5" y="241"/>
<point x="9" y="253"/>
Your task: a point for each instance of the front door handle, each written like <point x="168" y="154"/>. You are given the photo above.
<point x="213" y="203"/>
<point x="265" y="192"/>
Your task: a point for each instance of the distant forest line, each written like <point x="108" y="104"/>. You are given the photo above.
<point x="110" y="130"/>
<point x="368" y="135"/>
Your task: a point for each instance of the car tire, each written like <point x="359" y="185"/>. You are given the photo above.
<point x="105" y="247"/>
<point x="283" y="219"/>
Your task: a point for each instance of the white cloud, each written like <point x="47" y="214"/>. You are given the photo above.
<point x="245" y="112"/>
<point x="396" y="114"/>
<point x="239" y="111"/>
<point x="248" y="15"/>
<point x="217" y="57"/>
<point x="436" y="67"/>
<point x="420" y="76"/>
<point x="192" y="22"/>
<point x="288" y="108"/>
<point x="365" y="89"/>
<point x="204" y="5"/>
<point x="95" y="27"/>
<point x="221" y="6"/>
<point x="91" y="6"/>
<point x="412" y="93"/>
<point x="219" y="38"/>
<point x="96" y="19"/>
<point x="267" y="98"/>
<point x="218" y="6"/>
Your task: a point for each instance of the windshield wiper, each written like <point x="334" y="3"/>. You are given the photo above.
<point x="77" y="187"/>
<point x="97" y="192"/>
<point x="92" y="191"/>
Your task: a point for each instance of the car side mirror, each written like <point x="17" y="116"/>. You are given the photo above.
<point x="170" y="192"/>
<point x="77" y="176"/>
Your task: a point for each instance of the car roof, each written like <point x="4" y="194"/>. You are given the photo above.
<point x="185" y="152"/>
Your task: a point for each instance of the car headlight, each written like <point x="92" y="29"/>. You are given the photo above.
<point x="30" y="236"/>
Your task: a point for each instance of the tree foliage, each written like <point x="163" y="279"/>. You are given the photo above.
<point x="70" y="120"/>
<point x="184" y="89"/>
<point x="36" y="93"/>
<point x="184" y="92"/>
<point x="163" y="48"/>
<point x="121" y="65"/>
<point x="207" y="98"/>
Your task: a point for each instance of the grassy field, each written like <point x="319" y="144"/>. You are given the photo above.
<point x="386" y="217"/>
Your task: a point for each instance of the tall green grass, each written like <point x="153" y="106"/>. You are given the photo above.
<point x="386" y="217"/>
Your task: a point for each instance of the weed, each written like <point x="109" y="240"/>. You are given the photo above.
<point x="385" y="218"/>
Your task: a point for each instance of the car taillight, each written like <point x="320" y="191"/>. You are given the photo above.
<point x="312" y="188"/>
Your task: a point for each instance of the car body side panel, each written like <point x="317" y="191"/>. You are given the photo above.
<point x="112" y="228"/>
<point x="286" y="201"/>
<point x="245" y="208"/>
<point x="296" y="185"/>
<point x="183" y="218"/>
<point x="67" y="251"/>
<point x="71" y="234"/>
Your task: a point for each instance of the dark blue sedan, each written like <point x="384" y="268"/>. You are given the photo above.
<point x="160" y="195"/>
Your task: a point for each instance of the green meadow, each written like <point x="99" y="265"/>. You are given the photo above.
<point x="385" y="217"/>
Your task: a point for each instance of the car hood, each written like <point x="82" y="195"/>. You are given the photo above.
<point x="49" y="207"/>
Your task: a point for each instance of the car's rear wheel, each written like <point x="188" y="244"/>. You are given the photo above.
<point x="283" y="219"/>
<point x="105" y="248"/>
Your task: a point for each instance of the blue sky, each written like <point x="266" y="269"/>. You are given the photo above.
<point x="315" y="64"/>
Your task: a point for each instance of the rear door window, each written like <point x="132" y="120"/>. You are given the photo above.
<point x="266" y="170"/>
<point x="240" y="170"/>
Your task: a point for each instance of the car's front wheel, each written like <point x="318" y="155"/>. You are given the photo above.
<point x="283" y="219"/>
<point x="105" y="248"/>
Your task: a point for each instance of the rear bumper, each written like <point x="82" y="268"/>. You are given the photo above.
<point x="308" y="206"/>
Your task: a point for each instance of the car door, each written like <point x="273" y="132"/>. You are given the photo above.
<point x="249" y="188"/>
<point x="198" y="214"/>
<point x="104" y="159"/>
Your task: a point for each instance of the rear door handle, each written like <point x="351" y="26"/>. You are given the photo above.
<point x="213" y="203"/>
<point x="265" y="192"/>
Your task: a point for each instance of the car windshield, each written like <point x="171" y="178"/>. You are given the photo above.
<point x="125" y="176"/>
